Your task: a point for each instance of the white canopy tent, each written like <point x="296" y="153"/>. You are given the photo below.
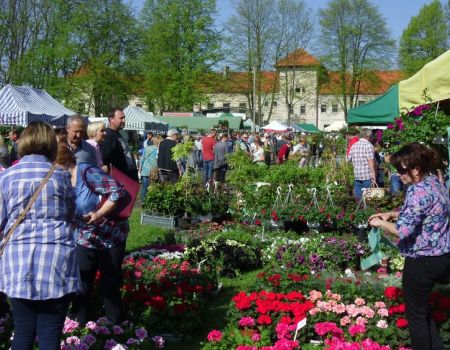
<point x="336" y="126"/>
<point x="20" y="105"/>
<point x="138" y="119"/>
<point x="275" y="126"/>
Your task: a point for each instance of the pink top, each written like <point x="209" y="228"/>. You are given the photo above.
<point x="98" y="155"/>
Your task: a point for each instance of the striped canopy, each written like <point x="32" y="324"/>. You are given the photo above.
<point x="138" y="119"/>
<point x="20" y="105"/>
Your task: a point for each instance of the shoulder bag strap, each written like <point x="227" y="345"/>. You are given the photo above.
<point x="27" y="208"/>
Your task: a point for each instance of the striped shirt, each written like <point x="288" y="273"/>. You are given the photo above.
<point x="39" y="260"/>
<point x="359" y="155"/>
<point x="111" y="232"/>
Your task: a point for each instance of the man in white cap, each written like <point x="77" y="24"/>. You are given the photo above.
<point x="168" y="168"/>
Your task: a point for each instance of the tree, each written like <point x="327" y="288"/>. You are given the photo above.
<point x="83" y="52"/>
<point x="258" y="35"/>
<point x="181" y="46"/>
<point x="355" y="40"/>
<point x="249" y="38"/>
<point x="425" y="38"/>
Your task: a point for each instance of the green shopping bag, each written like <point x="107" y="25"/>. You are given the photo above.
<point x="375" y="238"/>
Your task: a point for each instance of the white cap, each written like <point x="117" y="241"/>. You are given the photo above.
<point x="172" y="132"/>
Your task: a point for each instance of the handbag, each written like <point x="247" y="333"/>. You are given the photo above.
<point x="154" y="175"/>
<point x="374" y="192"/>
<point x="27" y="208"/>
<point x="125" y="205"/>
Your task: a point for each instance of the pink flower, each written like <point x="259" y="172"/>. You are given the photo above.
<point x="73" y="340"/>
<point x="383" y="312"/>
<point x="390" y="126"/>
<point x="247" y="321"/>
<point x="314" y="311"/>
<point x="246" y="347"/>
<point x="339" y="308"/>
<point x="215" y="336"/>
<point x="314" y="295"/>
<point x="382" y="324"/>
<point x="256" y="337"/>
<point x="91" y="325"/>
<point x="327" y="327"/>
<point x="345" y="321"/>
<point x="360" y="301"/>
<point x="380" y="304"/>
<point x="69" y="325"/>
<point x="356" y="329"/>
<point x="361" y="321"/>
<point x="367" y="311"/>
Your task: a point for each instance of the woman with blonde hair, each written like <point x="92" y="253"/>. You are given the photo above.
<point x="96" y="132"/>
<point x="38" y="268"/>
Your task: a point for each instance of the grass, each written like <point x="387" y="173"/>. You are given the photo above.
<point x="142" y="235"/>
<point x="215" y="315"/>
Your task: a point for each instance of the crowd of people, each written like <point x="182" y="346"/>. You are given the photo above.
<point x="209" y="153"/>
<point x="57" y="233"/>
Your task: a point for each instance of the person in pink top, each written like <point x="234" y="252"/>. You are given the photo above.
<point x="208" y="143"/>
<point x="96" y="132"/>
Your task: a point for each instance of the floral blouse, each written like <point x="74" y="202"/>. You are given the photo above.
<point x="423" y="222"/>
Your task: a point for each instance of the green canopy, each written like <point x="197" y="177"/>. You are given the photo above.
<point x="201" y="123"/>
<point x="379" y="111"/>
<point x="311" y="128"/>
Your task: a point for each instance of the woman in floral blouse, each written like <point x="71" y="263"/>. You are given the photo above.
<point x="424" y="238"/>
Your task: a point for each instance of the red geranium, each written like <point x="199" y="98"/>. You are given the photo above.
<point x="392" y="293"/>
<point x="401" y="323"/>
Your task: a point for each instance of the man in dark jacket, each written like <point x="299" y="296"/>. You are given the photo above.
<point x="115" y="149"/>
<point x="168" y="168"/>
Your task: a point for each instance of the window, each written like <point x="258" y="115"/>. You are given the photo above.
<point x="323" y="108"/>
<point x="361" y="102"/>
<point x="302" y="109"/>
<point x="334" y="108"/>
<point x="297" y="90"/>
<point x="266" y="103"/>
<point x="303" y="89"/>
<point x="210" y="106"/>
<point x="226" y="105"/>
<point x="139" y="105"/>
<point x="291" y="110"/>
<point x="274" y="103"/>
<point x="325" y="125"/>
<point x="242" y="107"/>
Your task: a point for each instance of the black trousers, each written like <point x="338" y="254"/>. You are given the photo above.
<point x="166" y="176"/>
<point x="109" y="263"/>
<point x="419" y="277"/>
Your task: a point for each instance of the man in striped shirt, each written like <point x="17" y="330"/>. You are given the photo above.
<point x="362" y="156"/>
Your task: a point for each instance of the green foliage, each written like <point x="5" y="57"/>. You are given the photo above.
<point x="425" y="38"/>
<point x="181" y="45"/>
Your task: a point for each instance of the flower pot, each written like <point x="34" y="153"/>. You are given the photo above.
<point x="297" y="226"/>
<point x="360" y="231"/>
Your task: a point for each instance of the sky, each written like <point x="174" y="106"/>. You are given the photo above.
<point x="396" y="12"/>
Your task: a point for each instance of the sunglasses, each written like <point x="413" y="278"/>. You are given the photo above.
<point x="402" y="171"/>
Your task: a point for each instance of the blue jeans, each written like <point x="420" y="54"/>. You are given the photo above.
<point x="207" y="170"/>
<point x="396" y="185"/>
<point x="145" y="183"/>
<point x="41" y="318"/>
<point x="359" y="185"/>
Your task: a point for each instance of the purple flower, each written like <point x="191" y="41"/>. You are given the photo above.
<point x="141" y="333"/>
<point x="390" y="126"/>
<point x="159" y="341"/>
<point x="133" y="341"/>
<point x="110" y="343"/>
<point x="89" y="339"/>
